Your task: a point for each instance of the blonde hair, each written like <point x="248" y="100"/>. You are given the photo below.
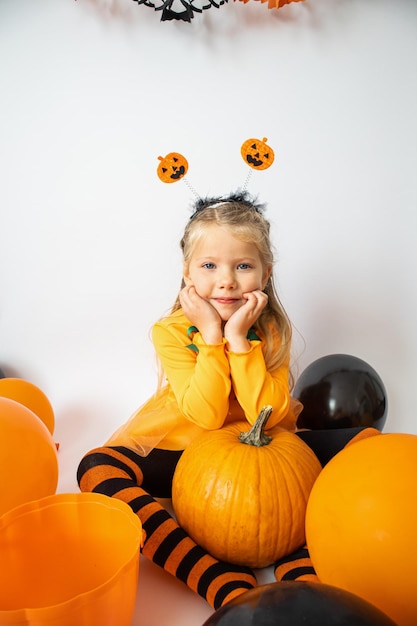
<point x="244" y="217"/>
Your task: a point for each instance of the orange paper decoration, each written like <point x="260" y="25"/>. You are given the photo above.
<point x="257" y="154"/>
<point x="172" y="167"/>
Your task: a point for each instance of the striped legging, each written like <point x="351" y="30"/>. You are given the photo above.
<point x="120" y="472"/>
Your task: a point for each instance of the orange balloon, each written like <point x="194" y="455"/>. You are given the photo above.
<point x="361" y="523"/>
<point x="28" y="456"/>
<point x="31" y="396"/>
<point x="69" y="560"/>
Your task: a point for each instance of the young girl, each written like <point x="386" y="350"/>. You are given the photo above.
<point x="225" y="353"/>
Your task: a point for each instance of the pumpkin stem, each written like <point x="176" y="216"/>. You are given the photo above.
<point x="256" y="436"/>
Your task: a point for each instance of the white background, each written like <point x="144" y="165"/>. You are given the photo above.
<point x="93" y="91"/>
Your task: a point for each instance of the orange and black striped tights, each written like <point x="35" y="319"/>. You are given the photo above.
<point x="121" y="473"/>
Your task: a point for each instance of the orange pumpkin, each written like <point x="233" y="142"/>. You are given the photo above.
<point x="257" y="153"/>
<point x="172" y="167"/>
<point x="243" y="496"/>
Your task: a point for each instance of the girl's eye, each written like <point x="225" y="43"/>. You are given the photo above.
<point x="243" y="266"/>
<point x="209" y="266"/>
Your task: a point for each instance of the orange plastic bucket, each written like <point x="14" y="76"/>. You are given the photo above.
<point x="69" y="560"/>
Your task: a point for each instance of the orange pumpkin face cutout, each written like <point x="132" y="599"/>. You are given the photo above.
<point x="257" y="154"/>
<point x="172" y="167"/>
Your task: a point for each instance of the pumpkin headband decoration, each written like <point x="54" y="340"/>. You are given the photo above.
<point x="240" y="197"/>
<point x="174" y="166"/>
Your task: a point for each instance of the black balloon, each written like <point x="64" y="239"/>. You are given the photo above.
<point x="340" y="391"/>
<point x="297" y="603"/>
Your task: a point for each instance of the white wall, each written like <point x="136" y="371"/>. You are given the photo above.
<point x="93" y="91"/>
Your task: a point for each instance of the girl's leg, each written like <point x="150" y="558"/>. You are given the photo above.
<point x="325" y="444"/>
<point x="121" y="473"/>
<point x="295" y="566"/>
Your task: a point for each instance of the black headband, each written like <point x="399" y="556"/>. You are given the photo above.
<point x="238" y="197"/>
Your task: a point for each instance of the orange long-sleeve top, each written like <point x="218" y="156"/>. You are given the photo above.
<point x="206" y="388"/>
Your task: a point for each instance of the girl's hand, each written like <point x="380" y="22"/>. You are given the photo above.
<point x="202" y="315"/>
<point x="238" y="325"/>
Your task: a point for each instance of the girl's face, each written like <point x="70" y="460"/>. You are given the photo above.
<point x="222" y="268"/>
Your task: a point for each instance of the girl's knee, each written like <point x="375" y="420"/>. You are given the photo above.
<point x="92" y="467"/>
<point x="104" y="464"/>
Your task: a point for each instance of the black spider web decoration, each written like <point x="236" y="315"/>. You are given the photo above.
<point x="181" y="9"/>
